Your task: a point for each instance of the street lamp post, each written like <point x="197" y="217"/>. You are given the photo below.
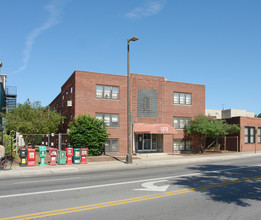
<point x="129" y="155"/>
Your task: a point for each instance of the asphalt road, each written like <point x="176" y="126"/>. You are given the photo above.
<point x="215" y="190"/>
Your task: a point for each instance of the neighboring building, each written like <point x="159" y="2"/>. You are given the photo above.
<point x="246" y="139"/>
<point x="249" y="137"/>
<point x="8" y="95"/>
<point x="228" y="113"/>
<point x="2" y="97"/>
<point x="160" y="109"/>
<point x="11" y="96"/>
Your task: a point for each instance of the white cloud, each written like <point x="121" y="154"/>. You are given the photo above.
<point x="150" y="7"/>
<point x="54" y="9"/>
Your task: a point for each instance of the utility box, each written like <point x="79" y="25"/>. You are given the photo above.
<point x="31" y="157"/>
<point x="84" y="154"/>
<point x="42" y="155"/>
<point x="23" y="156"/>
<point x="69" y="154"/>
<point x="76" y="155"/>
<point x="61" y="158"/>
<point x="53" y="154"/>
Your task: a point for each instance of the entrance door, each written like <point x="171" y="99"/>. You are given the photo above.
<point x="146" y="142"/>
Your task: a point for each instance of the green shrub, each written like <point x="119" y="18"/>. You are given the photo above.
<point x="88" y="132"/>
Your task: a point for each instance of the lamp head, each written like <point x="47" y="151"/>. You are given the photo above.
<point x="134" y="39"/>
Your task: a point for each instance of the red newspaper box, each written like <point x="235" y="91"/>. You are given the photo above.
<point x="69" y="154"/>
<point x="53" y="154"/>
<point x="84" y="154"/>
<point x="31" y="157"/>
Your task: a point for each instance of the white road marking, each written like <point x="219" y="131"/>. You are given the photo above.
<point x="50" y="180"/>
<point x="116" y="184"/>
<point x="149" y="186"/>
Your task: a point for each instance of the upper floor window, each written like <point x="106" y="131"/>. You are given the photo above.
<point x="249" y="135"/>
<point x="181" y="123"/>
<point x="182" y="98"/>
<point x="63" y="101"/>
<point x="110" y="120"/>
<point x="66" y="95"/>
<point x="71" y="93"/>
<point x="107" y="92"/>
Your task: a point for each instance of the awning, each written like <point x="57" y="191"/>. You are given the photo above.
<point x="154" y="129"/>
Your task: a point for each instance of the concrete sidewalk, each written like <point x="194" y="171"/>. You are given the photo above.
<point x="144" y="160"/>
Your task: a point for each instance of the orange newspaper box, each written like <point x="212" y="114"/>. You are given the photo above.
<point x="31" y="157"/>
<point x="53" y="155"/>
<point x="84" y="154"/>
<point x="69" y="154"/>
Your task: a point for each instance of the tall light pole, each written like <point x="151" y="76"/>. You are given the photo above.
<point x="129" y="155"/>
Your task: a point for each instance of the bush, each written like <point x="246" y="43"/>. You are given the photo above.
<point x="88" y="132"/>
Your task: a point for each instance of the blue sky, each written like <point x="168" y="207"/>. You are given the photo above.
<point x="212" y="42"/>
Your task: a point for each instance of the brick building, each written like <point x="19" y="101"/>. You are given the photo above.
<point x="249" y="137"/>
<point x="160" y="109"/>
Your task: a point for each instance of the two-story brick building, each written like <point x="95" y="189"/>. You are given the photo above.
<point x="160" y="109"/>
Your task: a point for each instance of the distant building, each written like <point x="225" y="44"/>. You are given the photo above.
<point x="8" y="96"/>
<point x="160" y="109"/>
<point x="2" y="97"/>
<point x="228" y="113"/>
<point x="213" y="113"/>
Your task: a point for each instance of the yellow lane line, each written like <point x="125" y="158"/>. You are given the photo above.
<point x="130" y="200"/>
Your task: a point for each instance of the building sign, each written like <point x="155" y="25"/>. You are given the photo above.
<point x="164" y="129"/>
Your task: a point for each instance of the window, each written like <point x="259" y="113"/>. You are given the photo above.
<point x="99" y="91"/>
<point x="259" y="135"/>
<point x="181" y="145"/>
<point x="63" y="101"/>
<point x="66" y="95"/>
<point x="71" y="93"/>
<point x="110" y="120"/>
<point x="181" y="123"/>
<point x="182" y="98"/>
<point x="147" y="102"/>
<point x="249" y="135"/>
<point x="112" y="145"/>
<point x="115" y="93"/>
<point x="107" y="92"/>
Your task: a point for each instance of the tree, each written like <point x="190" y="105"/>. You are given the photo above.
<point x="258" y="116"/>
<point x="88" y="132"/>
<point x="211" y="128"/>
<point x="31" y="118"/>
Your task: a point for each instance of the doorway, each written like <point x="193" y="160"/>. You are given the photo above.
<point x="146" y="143"/>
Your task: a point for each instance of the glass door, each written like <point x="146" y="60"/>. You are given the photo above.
<point x="147" y="142"/>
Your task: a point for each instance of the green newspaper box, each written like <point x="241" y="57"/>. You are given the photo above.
<point x="76" y="155"/>
<point x="61" y="158"/>
<point x="42" y="155"/>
